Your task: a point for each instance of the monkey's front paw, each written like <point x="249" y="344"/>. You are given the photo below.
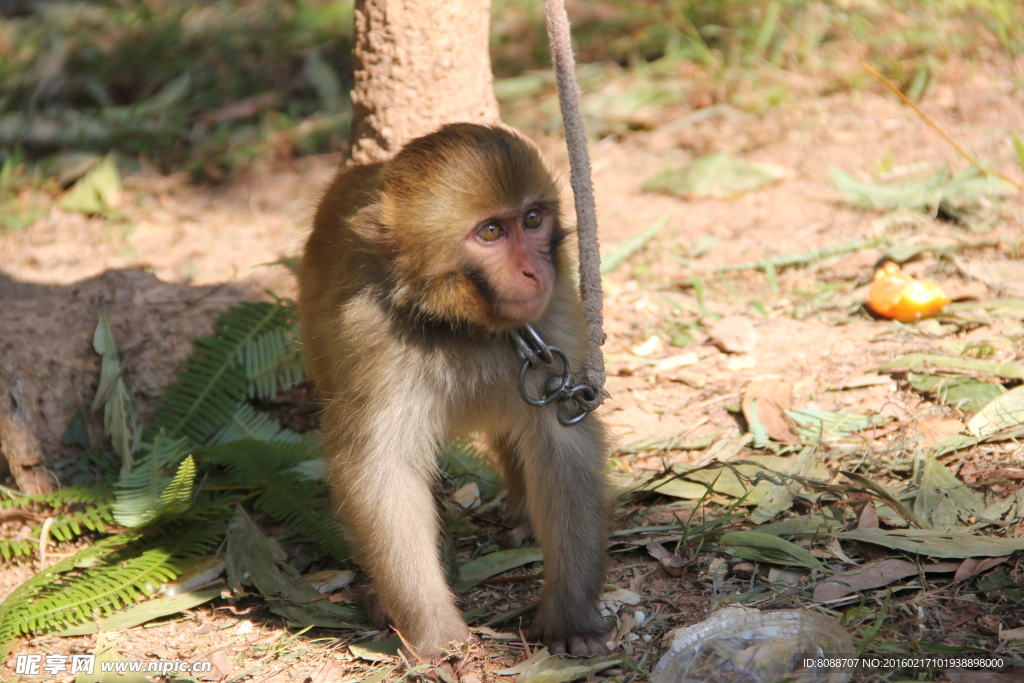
<point x="578" y="645"/>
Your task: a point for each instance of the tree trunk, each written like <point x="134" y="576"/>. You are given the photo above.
<point x="418" y="64"/>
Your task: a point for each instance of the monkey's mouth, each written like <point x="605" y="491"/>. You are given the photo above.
<point x="525" y="309"/>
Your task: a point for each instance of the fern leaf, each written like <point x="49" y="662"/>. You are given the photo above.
<point x="212" y="381"/>
<point x="95" y="516"/>
<point x="9" y="498"/>
<point x="115" y="572"/>
<point x="20" y="601"/>
<point x="74" y="524"/>
<point x="463" y="464"/>
<point x="11" y="548"/>
<point x="246" y="423"/>
<point x="273" y="361"/>
<point x="138" y="495"/>
<point x="297" y="502"/>
<point x="174" y="500"/>
<point x="210" y="386"/>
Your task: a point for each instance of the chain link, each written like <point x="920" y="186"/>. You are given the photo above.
<point x="534" y="352"/>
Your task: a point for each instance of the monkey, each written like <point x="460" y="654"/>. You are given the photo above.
<point x="415" y="273"/>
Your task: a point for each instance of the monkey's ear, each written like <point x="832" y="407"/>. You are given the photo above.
<point x="369" y="224"/>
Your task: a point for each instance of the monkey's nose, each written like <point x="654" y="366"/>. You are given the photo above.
<point x="529" y="274"/>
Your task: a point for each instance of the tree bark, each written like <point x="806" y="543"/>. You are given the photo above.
<point x="417" y="65"/>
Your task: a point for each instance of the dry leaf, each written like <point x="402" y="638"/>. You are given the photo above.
<point x="870" y="379"/>
<point x="221" y="661"/>
<point x="868" y="517"/>
<point x="970" y="613"/>
<point x="690" y="378"/>
<point x="648" y="347"/>
<point x="1007" y="276"/>
<point x="614" y="599"/>
<point x="937" y="428"/>
<point x="773" y="397"/>
<point x="836" y="549"/>
<point x="1003" y="412"/>
<point x="734" y="334"/>
<point x="936" y="543"/>
<point x="715" y="176"/>
<point x="538" y="656"/>
<point x="872" y="576"/>
<point x="628" y="621"/>
<point x="854" y="266"/>
<point x="467" y="496"/>
<point x="976" y="565"/>
<point x="657" y="551"/>
<point x="942" y="499"/>
<point x="975" y="676"/>
<point x="1011" y="634"/>
<point x="675" y="362"/>
<point x="964" y="291"/>
<point x="330" y="580"/>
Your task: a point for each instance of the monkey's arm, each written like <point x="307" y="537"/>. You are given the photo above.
<point x="380" y="471"/>
<point x="562" y="470"/>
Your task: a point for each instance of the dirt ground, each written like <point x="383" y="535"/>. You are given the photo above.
<point x="184" y="253"/>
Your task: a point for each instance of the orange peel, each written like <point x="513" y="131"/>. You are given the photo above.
<point x="901" y="297"/>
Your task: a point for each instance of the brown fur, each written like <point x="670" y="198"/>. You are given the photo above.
<point x="405" y="318"/>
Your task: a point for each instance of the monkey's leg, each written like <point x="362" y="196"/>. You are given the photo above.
<point x="568" y="503"/>
<point x="516" y="512"/>
<point x="383" y="490"/>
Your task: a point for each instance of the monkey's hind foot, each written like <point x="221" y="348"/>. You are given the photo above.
<point x="374" y="607"/>
<point x="519" y="535"/>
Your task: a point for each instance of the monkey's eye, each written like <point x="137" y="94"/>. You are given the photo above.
<point x="489" y="232"/>
<point x="532" y="219"/>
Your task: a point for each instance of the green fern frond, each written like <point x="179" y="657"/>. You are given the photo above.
<point x="462" y="464"/>
<point x="310" y="517"/>
<point x="20" y="602"/>
<point x="66" y="524"/>
<point x="137" y="494"/>
<point x="65" y="527"/>
<point x="9" y="498"/>
<point x="213" y="381"/>
<point x="74" y="524"/>
<point x="273" y="361"/>
<point x="209" y="388"/>
<point x="11" y="548"/>
<point x="174" y="500"/>
<point x="116" y="572"/>
<point x="297" y="502"/>
<point x="246" y="423"/>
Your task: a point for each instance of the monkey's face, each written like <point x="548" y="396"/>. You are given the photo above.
<point x="508" y="257"/>
<point x="470" y="226"/>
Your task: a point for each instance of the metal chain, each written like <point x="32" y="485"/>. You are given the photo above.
<point x="534" y="352"/>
